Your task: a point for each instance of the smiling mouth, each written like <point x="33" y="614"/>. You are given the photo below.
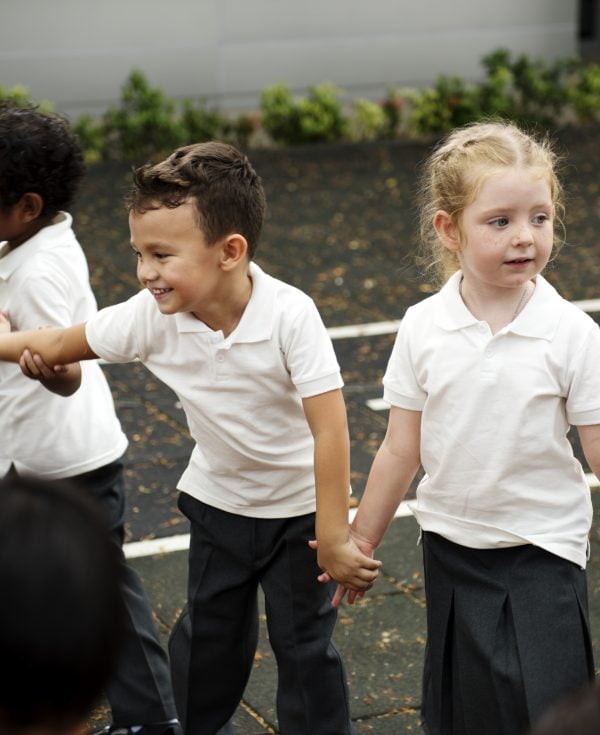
<point x="519" y="261"/>
<point x="160" y="291"/>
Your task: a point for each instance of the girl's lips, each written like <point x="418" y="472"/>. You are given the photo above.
<point x="519" y="261"/>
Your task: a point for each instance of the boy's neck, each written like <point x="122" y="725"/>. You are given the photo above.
<point x="228" y="313"/>
<point x="34" y="227"/>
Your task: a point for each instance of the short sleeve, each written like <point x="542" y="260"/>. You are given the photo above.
<point x="401" y="387"/>
<point x="113" y="333"/>
<point x="309" y="354"/>
<point x="583" y="399"/>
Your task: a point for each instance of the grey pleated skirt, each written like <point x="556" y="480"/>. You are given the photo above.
<point x="508" y="634"/>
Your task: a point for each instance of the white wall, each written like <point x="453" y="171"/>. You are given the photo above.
<point x="78" y="53"/>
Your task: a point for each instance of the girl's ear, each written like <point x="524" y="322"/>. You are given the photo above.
<point x="233" y="251"/>
<point x="30" y="206"/>
<point x="447" y="230"/>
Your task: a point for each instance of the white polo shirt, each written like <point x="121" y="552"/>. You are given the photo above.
<point x="500" y="470"/>
<point x="241" y="395"/>
<point x="45" y="282"/>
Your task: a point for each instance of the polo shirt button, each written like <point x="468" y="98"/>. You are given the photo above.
<point x="482" y="327"/>
<point x="220" y="358"/>
<point x="489" y="353"/>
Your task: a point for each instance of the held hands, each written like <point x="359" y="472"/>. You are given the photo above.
<point x="350" y="564"/>
<point x="32" y="366"/>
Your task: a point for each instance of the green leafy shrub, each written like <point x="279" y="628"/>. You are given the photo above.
<point x="318" y="117"/>
<point x="584" y="92"/>
<point x="369" y="121"/>
<point x="448" y="104"/>
<point x="144" y="125"/>
<point x="91" y="136"/>
<point x="19" y="97"/>
<point x="279" y="114"/>
<point x="393" y="106"/>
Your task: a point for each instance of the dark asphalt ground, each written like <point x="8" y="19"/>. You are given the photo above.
<point x="341" y="226"/>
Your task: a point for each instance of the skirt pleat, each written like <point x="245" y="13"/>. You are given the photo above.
<point x="507" y="635"/>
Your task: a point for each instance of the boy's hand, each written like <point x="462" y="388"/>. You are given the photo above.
<point x="4" y="323"/>
<point x="351" y="565"/>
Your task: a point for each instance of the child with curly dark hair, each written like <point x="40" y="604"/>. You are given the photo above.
<point x="62" y="423"/>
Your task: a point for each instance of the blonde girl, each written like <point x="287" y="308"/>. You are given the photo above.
<point x="484" y="381"/>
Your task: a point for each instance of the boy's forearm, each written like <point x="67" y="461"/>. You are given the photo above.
<point x="55" y="346"/>
<point x="332" y="479"/>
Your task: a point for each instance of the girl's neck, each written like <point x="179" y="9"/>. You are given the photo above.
<point x="498" y="308"/>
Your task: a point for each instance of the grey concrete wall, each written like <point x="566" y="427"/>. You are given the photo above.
<point x="78" y="53"/>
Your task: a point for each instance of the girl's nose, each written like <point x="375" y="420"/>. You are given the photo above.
<point x="523" y="236"/>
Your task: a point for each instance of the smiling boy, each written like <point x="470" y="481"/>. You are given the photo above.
<point x="255" y="370"/>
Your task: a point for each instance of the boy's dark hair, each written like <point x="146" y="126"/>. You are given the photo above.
<point x="217" y="178"/>
<point x="61" y="618"/>
<point x="39" y="153"/>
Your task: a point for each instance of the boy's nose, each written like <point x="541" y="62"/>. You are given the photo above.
<point x="145" y="273"/>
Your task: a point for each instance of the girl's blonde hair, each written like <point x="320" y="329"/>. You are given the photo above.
<point x="458" y="166"/>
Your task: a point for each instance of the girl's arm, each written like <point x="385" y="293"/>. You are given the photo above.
<point x="394" y="468"/>
<point x="337" y="554"/>
<point x="55" y="346"/>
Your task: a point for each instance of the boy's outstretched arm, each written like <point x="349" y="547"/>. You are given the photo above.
<point x="394" y="468"/>
<point x="337" y="554"/>
<point x="55" y="346"/>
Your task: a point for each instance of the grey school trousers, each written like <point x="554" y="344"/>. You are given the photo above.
<point x="213" y="644"/>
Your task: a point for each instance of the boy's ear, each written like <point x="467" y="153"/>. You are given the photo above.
<point x="233" y="251"/>
<point x="29" y="206"/>
<point x="447" y="230"/>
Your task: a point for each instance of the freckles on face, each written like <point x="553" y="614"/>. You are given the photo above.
<point x="507" y="230"/>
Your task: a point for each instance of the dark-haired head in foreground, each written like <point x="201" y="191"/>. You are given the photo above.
<point x="61" y="617"/>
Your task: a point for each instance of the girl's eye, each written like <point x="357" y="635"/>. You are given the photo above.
<point x="539" y="219"/>
<point x="499" y="222"/>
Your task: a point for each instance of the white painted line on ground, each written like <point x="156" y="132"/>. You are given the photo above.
<point x="377" y="404"/>
<point x="181" y="542"/>
<point x="364" y="330"/>
<point x="151" y="547"/>
<point x="154" y="546"/>
<point x="370" y="329"/>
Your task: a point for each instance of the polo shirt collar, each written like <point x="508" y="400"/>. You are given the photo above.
<point x="11" y="260"/>
<point x="256" y="323"/>
<point x="539" y="319"/>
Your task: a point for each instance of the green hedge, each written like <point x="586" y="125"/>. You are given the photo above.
<point x="146" y="124"/>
